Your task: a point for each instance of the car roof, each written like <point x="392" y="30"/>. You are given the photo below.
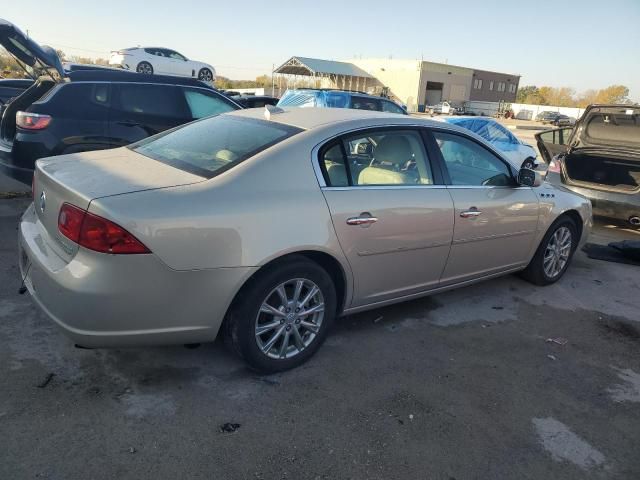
<point x="350" y="92"/>
<point x="308" y="118"/>
<point x="117" y="75"/>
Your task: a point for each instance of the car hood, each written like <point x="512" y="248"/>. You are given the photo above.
<point x="609" y="127"/>
<point x="41" y="58"/>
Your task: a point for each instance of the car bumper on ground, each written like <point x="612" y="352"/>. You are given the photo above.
<point x="103" y="300"/>
<point x="614" y="205"/>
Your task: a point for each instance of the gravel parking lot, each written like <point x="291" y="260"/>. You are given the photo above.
<point x="476" y="383"/>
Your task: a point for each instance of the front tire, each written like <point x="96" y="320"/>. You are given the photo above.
<point x="554" y="253"/>
<point x="144" y="67"/>
<point x="282" y="316"/>
<point x="205" y="75"/>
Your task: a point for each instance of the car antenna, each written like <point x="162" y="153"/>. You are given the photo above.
<point x="271" y="110"/>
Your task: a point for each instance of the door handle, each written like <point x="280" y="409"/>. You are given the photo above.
<point x="471" y="213"/>
<point x="362" y="220"/>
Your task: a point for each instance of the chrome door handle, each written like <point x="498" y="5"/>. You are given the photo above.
<point x="361" y="220"/>
<point x="471" y="213"/>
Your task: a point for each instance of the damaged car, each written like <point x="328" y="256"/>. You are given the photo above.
<point x="599" y="159"/>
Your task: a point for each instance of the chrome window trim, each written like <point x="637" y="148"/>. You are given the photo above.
<point x="385" y="187"/>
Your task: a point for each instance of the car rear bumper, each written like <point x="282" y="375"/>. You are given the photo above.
<point x="614" y="205"/>
<point x="103" y="300"/>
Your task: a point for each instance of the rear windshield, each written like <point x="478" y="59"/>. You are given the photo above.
<point x="614" y="127"/>
<point x="213" y="145"/>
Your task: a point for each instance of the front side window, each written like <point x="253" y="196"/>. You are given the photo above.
<point x="471" y="164"/>
<point x="381" y="158"/>
<point x="213" y="145"/>
<point x="391" y="107"/>
<point x="203" y="105"/>
<point x="175" y="55"/>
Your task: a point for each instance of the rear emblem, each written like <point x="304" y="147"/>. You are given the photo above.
<point x="43" y="201"/>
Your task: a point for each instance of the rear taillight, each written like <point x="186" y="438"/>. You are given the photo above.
<point x="554" y="165"/>
<point x="96" y="233"/>
<point x="32" y="121"/>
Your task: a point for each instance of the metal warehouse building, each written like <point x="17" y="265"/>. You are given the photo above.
<point x="414" y="83"/>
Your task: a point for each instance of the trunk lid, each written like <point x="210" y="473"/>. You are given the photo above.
<point x="41" y="58"/>
<point x="608" y="126"/>
<point x="80" y="178"/>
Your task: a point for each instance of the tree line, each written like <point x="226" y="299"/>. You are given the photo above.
<point x="567" y="97"/>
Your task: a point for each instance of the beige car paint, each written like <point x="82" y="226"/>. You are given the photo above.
<point x="209" y="237"/>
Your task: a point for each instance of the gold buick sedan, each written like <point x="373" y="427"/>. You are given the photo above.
<point x="266" y="225"/>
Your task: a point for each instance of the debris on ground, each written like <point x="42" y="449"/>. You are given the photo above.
<point x="552" y="357"/>
<point x="558" y="340"/>
<point x="11" y="195"/>
<point x="229" y="427"/>
<point x="132" y="450"/>
<point x="498" y="308"/>
<point x="378" y="319"/>
<point x="46" y="380"/>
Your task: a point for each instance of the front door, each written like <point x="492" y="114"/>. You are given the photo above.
<point x="552" y="142"/>
<point x="392" y="215"/>
<point x="495" y="219"/>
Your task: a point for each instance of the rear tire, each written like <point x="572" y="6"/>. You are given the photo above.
<point x="554" y="254"/>
<point x="267" y="325"/>
<point x="144" y="67"/>
<point x="205" y="75"/>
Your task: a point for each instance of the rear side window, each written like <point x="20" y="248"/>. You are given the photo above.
<point x="81" y="100"/>
<point x="364" y="103"/>
<point x="203" y="105"/>
<point x="215" y="144"/>
<point x="380" y="158"/>
<point x="153" y="100"/>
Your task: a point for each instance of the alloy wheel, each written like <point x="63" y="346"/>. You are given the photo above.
<point x="145" y="68"/>
<point x="289" y="318"/>
<point x="557" y="253"/>
<point x="205" y="75"/>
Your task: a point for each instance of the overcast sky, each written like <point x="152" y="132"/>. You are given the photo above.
<point x="581" y="44"/>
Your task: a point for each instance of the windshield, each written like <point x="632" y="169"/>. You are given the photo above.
<point x="215" y="144"/>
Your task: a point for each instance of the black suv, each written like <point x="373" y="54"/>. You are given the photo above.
<point x="90" y="109"/>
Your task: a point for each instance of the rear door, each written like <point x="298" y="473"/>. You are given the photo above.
<point x="140" y="110"/>
<point x="495" y="219"/>
<point x="390" y="210"/>
<point x="552" y="142"/>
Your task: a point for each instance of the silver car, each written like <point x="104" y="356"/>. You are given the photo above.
<point x="267" y="225"/>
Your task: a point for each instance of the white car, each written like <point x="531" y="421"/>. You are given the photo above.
<point x="163" y="61"/>
<point x="519" y="153"/>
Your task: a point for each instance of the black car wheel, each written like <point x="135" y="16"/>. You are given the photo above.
<point x="205" y="75"/>
<point x="282" y="316"/>
<point x="144" y="67"/>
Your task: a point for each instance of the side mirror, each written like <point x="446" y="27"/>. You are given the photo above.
<point x="529" y="178"/>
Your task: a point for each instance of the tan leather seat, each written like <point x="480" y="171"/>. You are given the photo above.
<point x="392" y="153"/>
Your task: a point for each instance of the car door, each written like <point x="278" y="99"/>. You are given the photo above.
<point x="391" y="212"/>
<point x="140" y="110"/>
<point x="178" y="65"/>
<point x="157" y="60"/>
<point x="495" y="219"/>
<point x="552" y="142"/>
